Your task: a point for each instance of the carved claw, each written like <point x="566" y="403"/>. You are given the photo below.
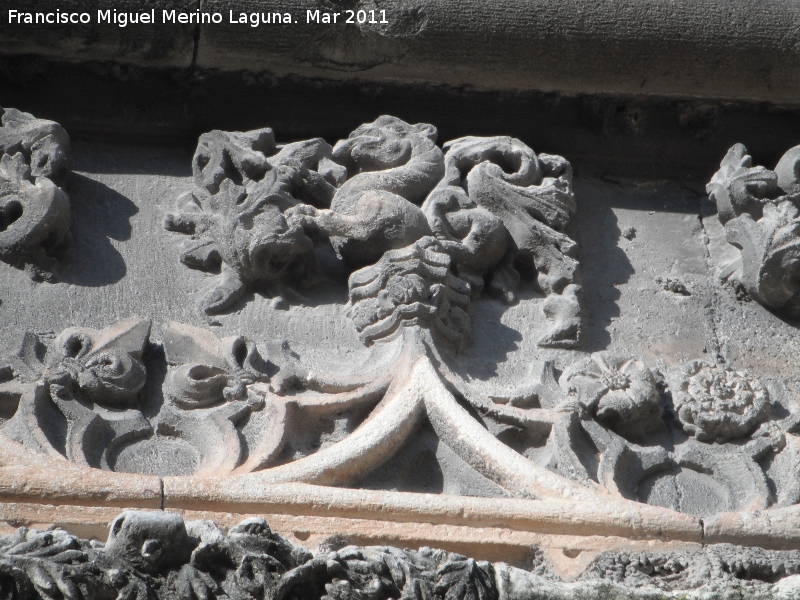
<point x="225" y="294"/>
<point x="565" y="312"/>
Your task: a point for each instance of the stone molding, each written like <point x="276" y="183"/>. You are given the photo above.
<point x="159" y="555"/>
<point x="738" y="51"/>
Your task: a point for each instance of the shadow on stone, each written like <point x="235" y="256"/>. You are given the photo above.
<point x="604" y="267"/>
<point x="99" y="215"/>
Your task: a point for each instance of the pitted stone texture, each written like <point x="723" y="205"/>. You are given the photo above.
<point x="158" y="555"/>
<point x="630" y="312"/>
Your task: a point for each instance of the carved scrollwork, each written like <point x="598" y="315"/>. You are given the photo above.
<point x="34" y="210"/>
<point x="261" y="212"/>
<point x="77" y="397"/>
<point x="759" y="209"/>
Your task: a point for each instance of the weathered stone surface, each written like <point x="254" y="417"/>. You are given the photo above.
<point x="388" y="330"/>
<point x="162" y="44"/>
<point x="158" y="554"/>
<point x="693" y="49"/>
<point x="34" y="210"/>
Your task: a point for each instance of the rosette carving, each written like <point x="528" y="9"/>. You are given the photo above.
<point x="620" y="392"/>
<point x="714" y="404"/>
<point x="34" y="210"/>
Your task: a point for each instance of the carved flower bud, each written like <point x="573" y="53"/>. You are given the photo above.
<point x="412" y="286"/>
<point x="715" y="404"/>
<point x="112" y="376"/>
<point x="197" y="385"/>
<point x="620" y="392"/>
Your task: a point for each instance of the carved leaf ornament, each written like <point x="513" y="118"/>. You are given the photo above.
<point x="759" y="209"/>
<point x="421" y="231"/>
<point x="34" y="210"/>
<point x="158" y="555"/>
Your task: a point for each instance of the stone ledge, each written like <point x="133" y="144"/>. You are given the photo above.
<point x="729" y="51"/>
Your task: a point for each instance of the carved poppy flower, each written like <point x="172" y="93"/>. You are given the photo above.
<point x="620" y="392"/>
<point x="715" y="404"/>
<point x="410" y="286"/>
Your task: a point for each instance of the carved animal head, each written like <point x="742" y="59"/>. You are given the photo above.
<point x="385" y="143"/>
<point x="149" y="540"/>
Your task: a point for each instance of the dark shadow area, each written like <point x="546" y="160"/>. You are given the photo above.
<point x="604" y="266"/>
<point x="646" y="137"/>
<point x="489" y="344"/>
<point x="152" y="396"/>
<point x="99" y="215"/>
<point x="131" y="159"/>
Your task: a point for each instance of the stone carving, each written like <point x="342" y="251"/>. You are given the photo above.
<point x="716" y="404"/>
<point x="414" y="285"/>
<point x="621" y="393"/>
<point x="715" y="565"/>
<point x="702" y="440"/>
<point x="261" y="212"/>
<point x="159" y="555"/>
<point x="758" y="208"/>
<point x="34" y="210"/>
<point x="236" y="213"/>
<point x="78" y="396"/>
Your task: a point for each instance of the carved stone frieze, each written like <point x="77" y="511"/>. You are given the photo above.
<point x="391" y="324"/>
<point x="264" y="214"/>
<point x="159" y="555"/>
<point x="701" y="440"/>
<point x="759" y="209"/>
<point x="34" y="209"/>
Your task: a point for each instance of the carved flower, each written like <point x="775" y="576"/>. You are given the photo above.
<point x="715" y="404"/>
<point x="620" y="392"/>
<point x="209" y="370"/>
<point x="410" y="286"/>
<point x="105" y="366"/>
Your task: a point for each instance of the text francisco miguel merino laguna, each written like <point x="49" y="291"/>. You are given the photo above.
<point x="253" y="19"/>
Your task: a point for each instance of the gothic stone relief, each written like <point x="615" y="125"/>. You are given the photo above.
<point x="759" y="209"/>
<point x="159" y="555"/>
<point x="421" y="234"/>
<point x="700" y="439"/>
<point x="34" y="209"/>
<point x="489" y="209"/>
